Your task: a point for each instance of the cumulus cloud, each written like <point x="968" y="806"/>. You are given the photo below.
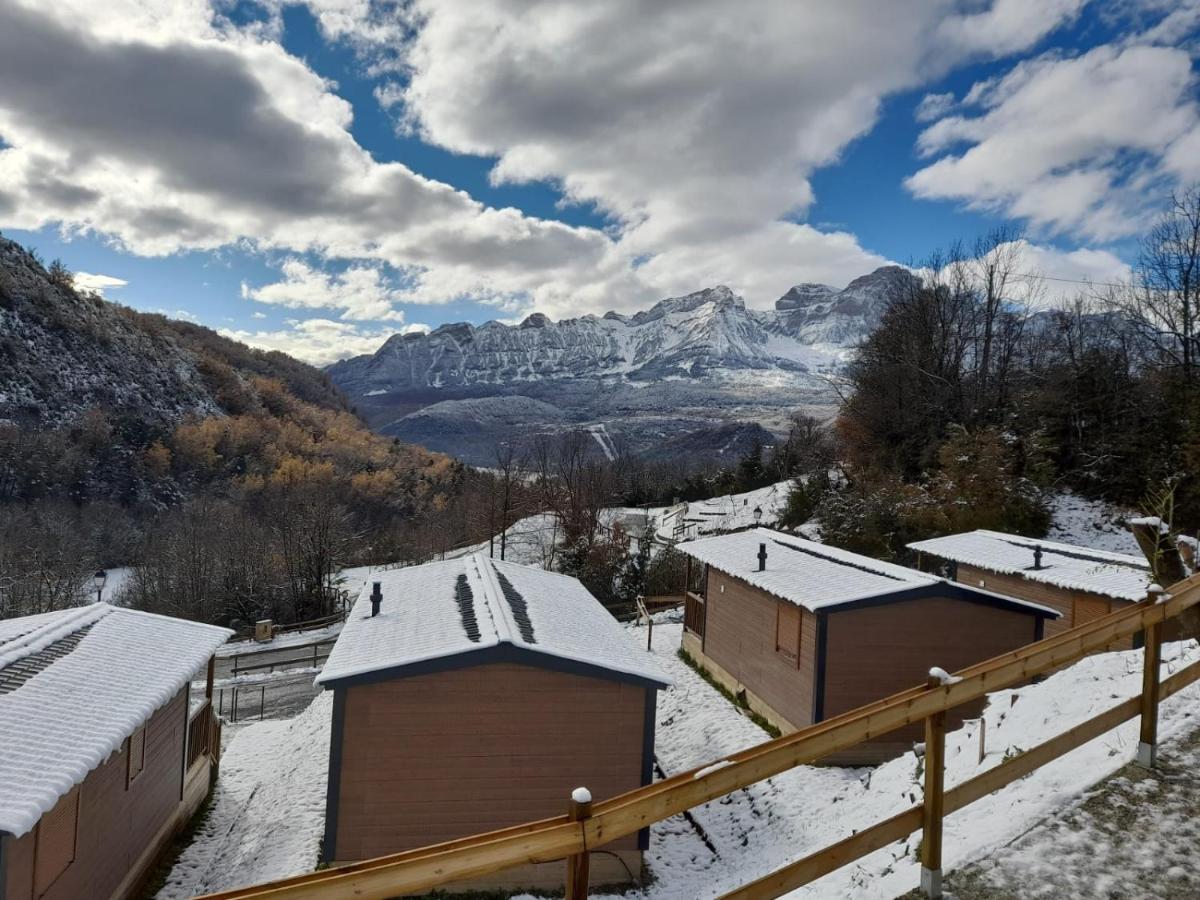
<point x="86" y="281"/>
<point x="1046" y="277"/>
<point x="196" y="142"/>
<point x="934" y="106"/>
<point x="361" y="292"/>
<point x="317" y="341"/>
<point x="1006" y="26"/>
<point x="1082" y="145"/>
<point x="696" y="132"/>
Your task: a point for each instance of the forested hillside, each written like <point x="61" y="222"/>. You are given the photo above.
<point x="975" y="399"/>
<point x="237" y="480"/>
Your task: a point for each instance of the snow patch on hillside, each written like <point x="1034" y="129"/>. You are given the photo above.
<point x="1090" y="523"/>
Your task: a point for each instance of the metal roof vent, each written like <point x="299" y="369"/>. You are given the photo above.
<point x="1037" y="556"/>
<point x="376" y="598"/>
<point x="520" y="609"/>
<point x="465" y="598"/>
<point x="762" y="557"/>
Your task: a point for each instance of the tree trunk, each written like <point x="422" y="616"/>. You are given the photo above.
<point x="1167" y="567"/>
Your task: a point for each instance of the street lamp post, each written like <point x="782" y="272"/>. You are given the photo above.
<point x="98" y="579"/>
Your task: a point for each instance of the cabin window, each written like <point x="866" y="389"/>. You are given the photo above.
<point x="787" y="632"/>
<point x="137" y="754"/>
<point x="54" y="849"/>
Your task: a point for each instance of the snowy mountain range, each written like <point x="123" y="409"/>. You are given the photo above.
<point x="684" y="367"/>
<point x="693" y="336"/>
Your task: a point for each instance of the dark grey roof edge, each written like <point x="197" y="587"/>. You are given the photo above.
<point x="503" y="652"/>
<point x="952" y="590"/>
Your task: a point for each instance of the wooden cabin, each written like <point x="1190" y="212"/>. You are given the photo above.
<point x="803" y="631"/>
<point x="102" y="757"/>
<point x="473" y="694"/>
<point x="1079" y="583"/>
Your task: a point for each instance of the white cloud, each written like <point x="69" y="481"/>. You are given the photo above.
<point x="360" y="293"/>
<point x="694" y="125"/>
<point x="1006" y="26"/>
<point x="1047" y="276"/>
<point x="696" y="130"/>
<point x="86" y="281"/>
<point x="1083" y="145"/>
<point x="934" y="106"/>
<point x="316" y="341"/>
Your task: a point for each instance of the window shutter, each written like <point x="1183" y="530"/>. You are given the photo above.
<point x="55" y="847"/>
<point x="787" y="631"/>
<point x="137" y="753"/>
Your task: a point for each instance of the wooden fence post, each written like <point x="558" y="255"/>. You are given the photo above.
<point x="931" y="819"/>
<point x="578" y="865"/>
<point x="1147" y="754"/>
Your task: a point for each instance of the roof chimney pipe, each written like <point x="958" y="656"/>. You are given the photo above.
<point x="762" y="557"/>
<point x="376" y="598"/>
<point x="1037" y="556"/>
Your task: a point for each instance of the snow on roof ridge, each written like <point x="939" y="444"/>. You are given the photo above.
<point x="848" y="558"/>
<point x="506" y="628"/>
<point x="1099" y="555"/>
<point x="570" y="623"/>
<point x="1069" y="566"/>
<point x="40" y="638"/>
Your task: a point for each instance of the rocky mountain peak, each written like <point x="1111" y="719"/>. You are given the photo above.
<point x="720" y="296"/>
<point x="535" y="320"/>
<point x="805" y="295"/>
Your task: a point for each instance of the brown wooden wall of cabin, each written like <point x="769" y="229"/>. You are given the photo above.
<point x="740" y="637"/>
<point x="435" y="757"/>
<point x="117" y="820"/>
<point x="872" y="652"/>
<point x="1077" y="607"/>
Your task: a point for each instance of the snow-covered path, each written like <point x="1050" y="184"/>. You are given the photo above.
<point x="268" y="811"/>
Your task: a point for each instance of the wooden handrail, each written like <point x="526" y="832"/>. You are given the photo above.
<point x="426" y="868"/>
<point x="822" y="862"/>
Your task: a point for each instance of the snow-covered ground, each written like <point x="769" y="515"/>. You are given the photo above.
<point x="728" y="512"/>
<point x="1090" y="523"/>
<point x="268" y="810"/>
<point x="779" y="820"/>
<point x="751" y="832"/>
<point x="283" y="641"/>
<point x="1133" y="836"/>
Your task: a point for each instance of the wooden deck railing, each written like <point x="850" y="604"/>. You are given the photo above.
<point x="203" y="733"/>
<point x="565" y="836"/>
<point x="693" y="613"/>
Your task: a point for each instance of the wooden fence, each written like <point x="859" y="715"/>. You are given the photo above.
<point x="574" y="833"/>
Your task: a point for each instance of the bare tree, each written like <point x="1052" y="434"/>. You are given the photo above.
<point x="1163" y="300"/>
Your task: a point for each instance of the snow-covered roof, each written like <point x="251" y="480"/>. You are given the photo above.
<point x="818" y="576"/>
<point x="73" y="685"/>
<point x="475" y="604"/>
<point x="1063" y="565"/>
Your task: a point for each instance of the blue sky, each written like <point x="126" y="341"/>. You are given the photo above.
<point x="314" y="176"/>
